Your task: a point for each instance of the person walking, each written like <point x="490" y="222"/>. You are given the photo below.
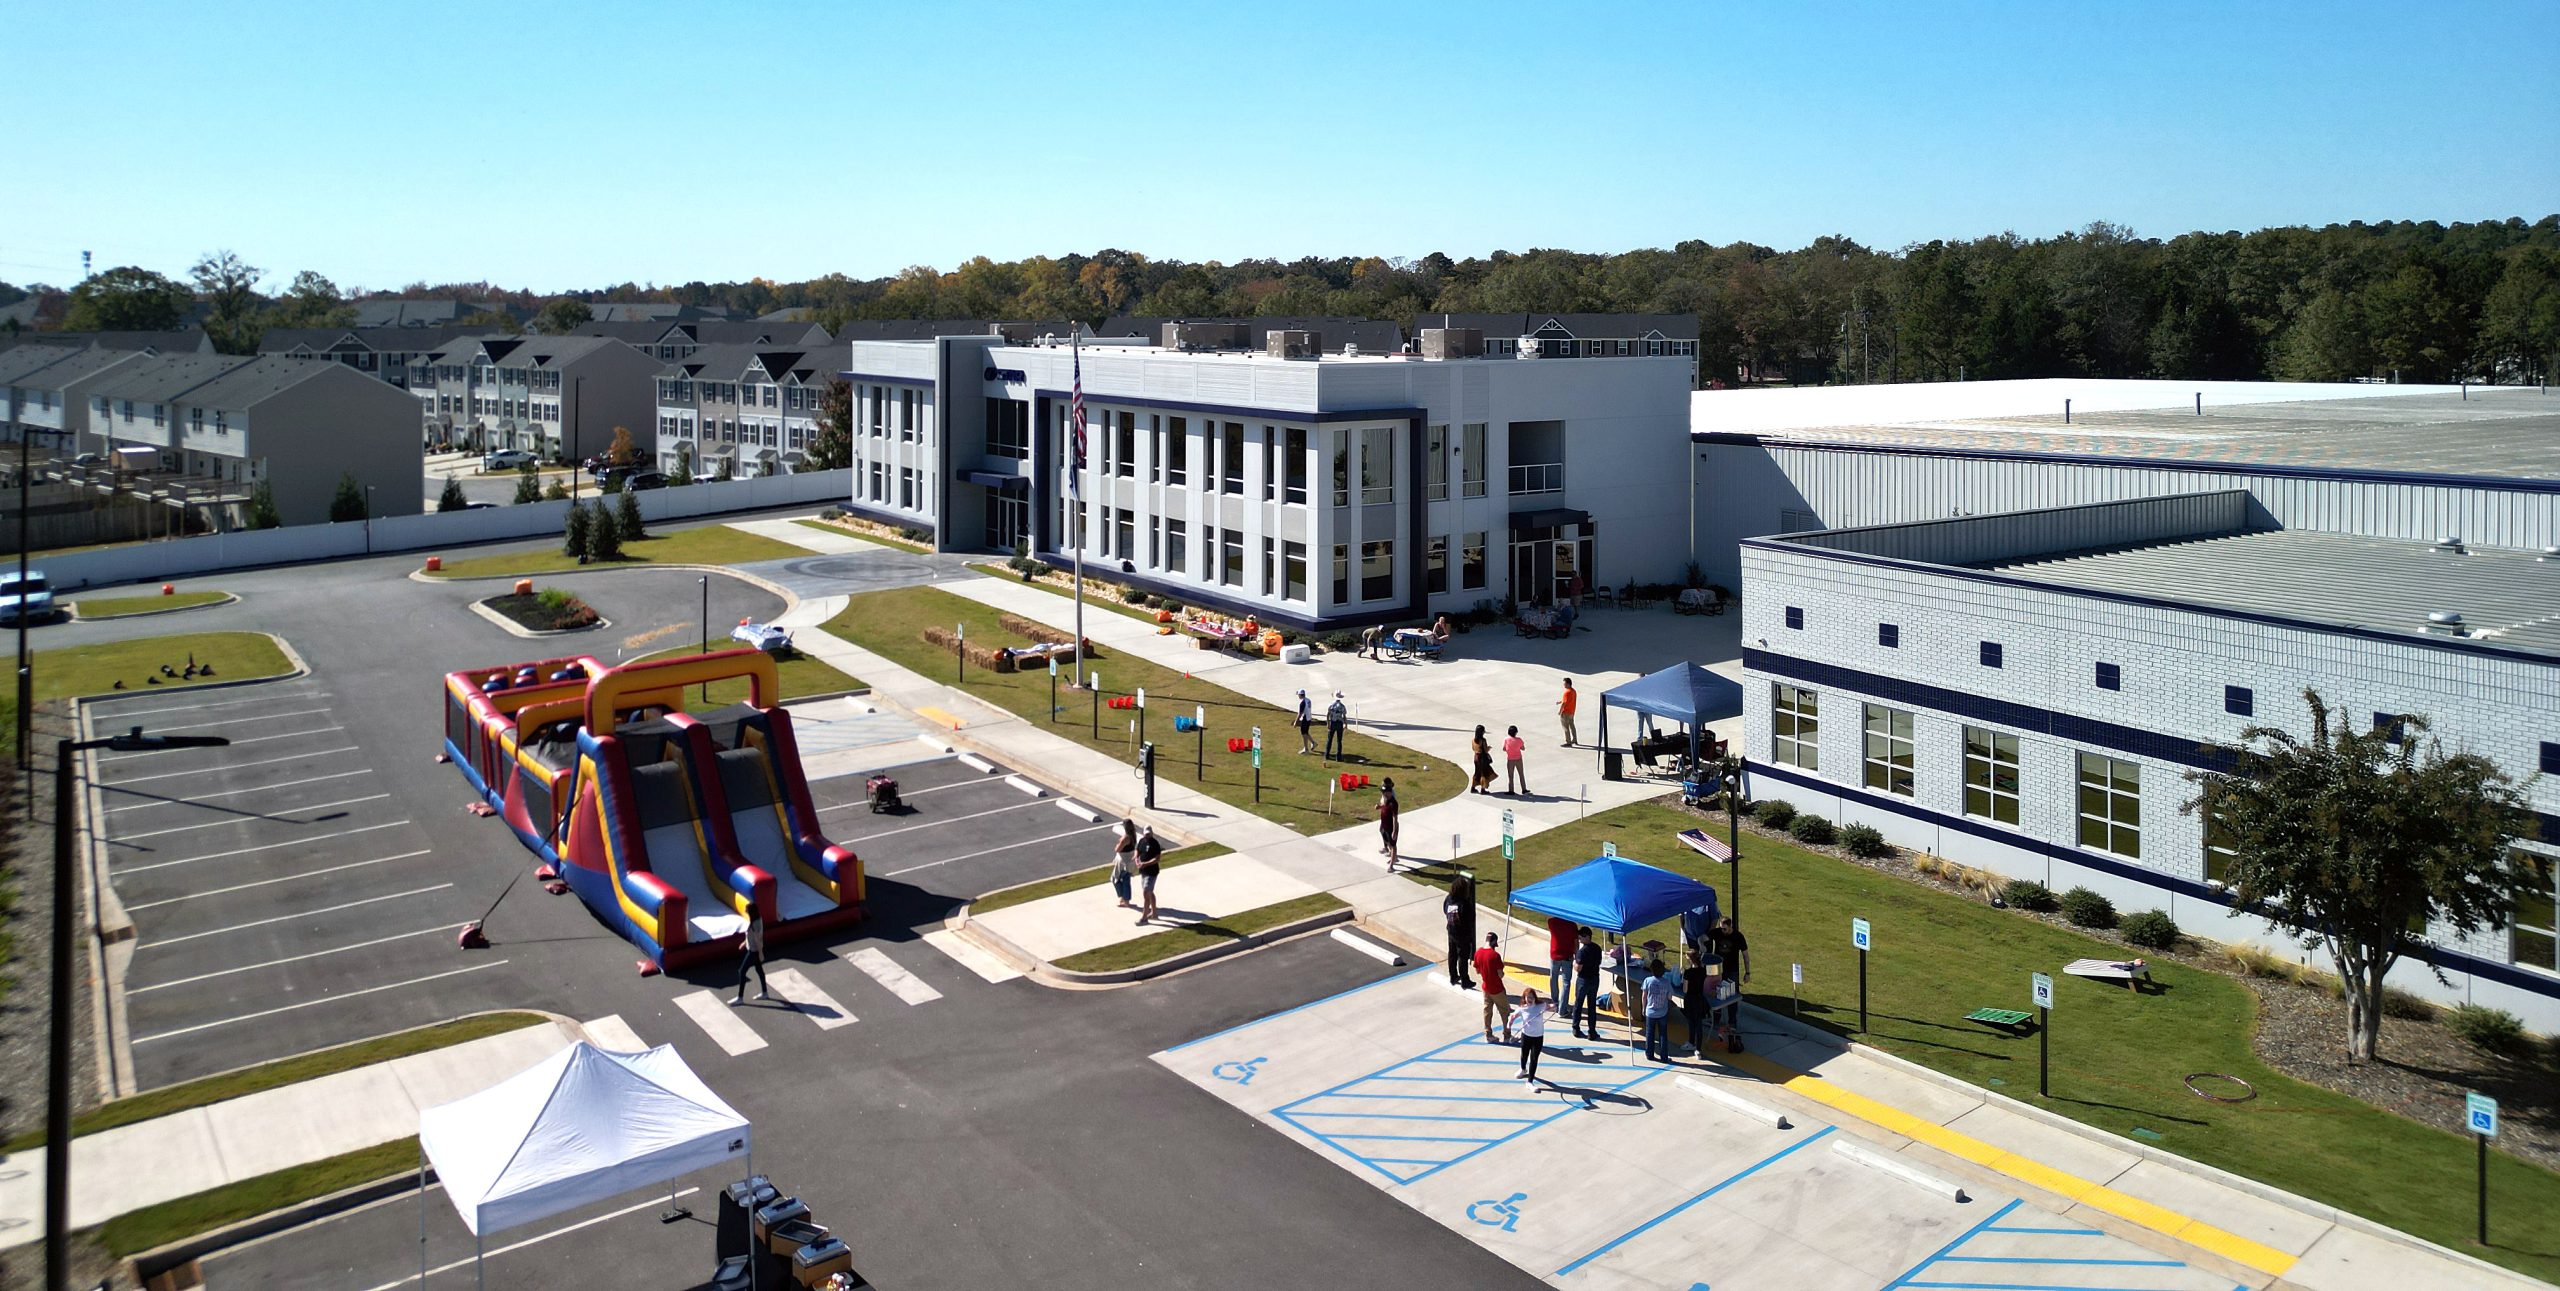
<point x="751" y="955"/>
<point x="1458" y="913"/>
<point x="1482" y="780"/>
<point x="1124" y="861"/>
<point x="1693" y="1003"/>
<point x="1336" y="716"/>
<point x="1560" y="942"/>
<point x="1150" y="863"/>
<point x="1388" y="812"/>
<point x="1533" y="1031"/>
<point x="1734" y="949"/>
<point x="1564" y="711"/>
<point x="1584" y="1016"/>
<point x="1657" y="1013"/>
<point x="1512" y="748"/>
<point x="1306" y="723"/>
<point x="1497" y="999"/>
<point x="1369" y="641"/>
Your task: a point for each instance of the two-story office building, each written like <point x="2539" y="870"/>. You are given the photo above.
<point x="741" y="410"/>
<point x="1309" y="488"/>
<point x="557" y="396"/>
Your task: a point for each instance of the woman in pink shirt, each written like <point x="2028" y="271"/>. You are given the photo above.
<point x="1511" y="748"/>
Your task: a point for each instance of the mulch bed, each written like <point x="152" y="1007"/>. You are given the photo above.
<point x="532" y="612"/>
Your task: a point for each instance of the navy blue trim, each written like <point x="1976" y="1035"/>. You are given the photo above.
<point x="898" y="518"/>
<point x="886" y="379"/>
<point x="2349" y="474"/>
<point x="2523" y="979"/>
<point x="1233" y="410"/>
<point x="2419" y="640"/>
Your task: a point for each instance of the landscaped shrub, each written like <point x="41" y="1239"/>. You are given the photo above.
<point x="1812" y="829"/>
<point x="1773" y="812"/>
<point x="1132" y="595"/>
<point x="2087" y="909"/>
<point x="626" y="517"/>
<point x="1173" y="605"/>
<point x="1341" y="641"/>
<point x="1150" y="601"/>
<point x="604" y="534"/>
<point x="2027" y="894"/>
<point x="916" y="536"/>
<point x="2495" y="1030"/>
<point x="573" y="533"/>
<point x="832" y="513"/>
<point x="2151" y="929"/>
<point x="1865" y="840"/>
<point x="2256" y="961"/>
<point x="2397" y="1003"/>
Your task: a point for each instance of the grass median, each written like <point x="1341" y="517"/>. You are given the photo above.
<point x="801" y="675"/>
<point x="2118" y="1058"/>
<point x="65" y="671"/>
<point x="121" y="607"/>
<point x="714" y="544"/>
<point x="1182" y="940"/>
<point x="1297" y="790"/>
<point x="183" y="1217"/>
<point x="1098" y="877"/>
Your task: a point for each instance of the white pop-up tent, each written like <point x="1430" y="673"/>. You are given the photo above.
<point x="578" y="1127"/>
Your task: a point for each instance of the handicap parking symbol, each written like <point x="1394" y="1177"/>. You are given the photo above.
<point x="1241" y="1073"/>
<point x="1503" y="1214"/>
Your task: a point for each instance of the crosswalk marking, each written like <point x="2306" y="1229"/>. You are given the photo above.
<point x="970" y="956"/>
<point x="804" y="996"/>
<point x="711" y="1012"/>
<point x="614" y="1035"/>
<point x="884" y="970"/>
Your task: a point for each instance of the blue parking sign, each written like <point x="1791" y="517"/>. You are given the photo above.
<point x="1858" y="933"/>
<point x="2480" y="1115"/>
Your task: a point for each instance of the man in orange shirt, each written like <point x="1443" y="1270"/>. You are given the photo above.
<point x="1564" y="709"/>
<point x="1497" y="1002"/>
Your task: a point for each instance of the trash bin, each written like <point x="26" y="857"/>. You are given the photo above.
<point x="1613" y="764"/>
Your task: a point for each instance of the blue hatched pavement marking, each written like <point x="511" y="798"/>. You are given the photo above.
<point x="1947" y="1254"/>
<point x="1411" y="1170"/>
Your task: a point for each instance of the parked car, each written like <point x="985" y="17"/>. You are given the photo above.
<point x="645" y="480"/>
<point x="32" y="599"/>
<point x="88" y="459"/>
<point x="506" y="459"/>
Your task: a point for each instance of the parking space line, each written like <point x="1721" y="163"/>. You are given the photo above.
<point x="876" y="965"/>
<point x="557" y="1232"/>
<point x="262" y="847"/>
<point x="289" y="959"/>
<point x="307" y="874"/>
<point x="245" y="819"/>
<point x="234" y="721"/>
<point x="794" y="988"/>
<point x="326" y="999"/>
<point x="149" y="942"/>
<point x="254" y="739"/>
<point x="222" y="767"/>
<point x="970" y="956"/>
<point x="903" y="794"/>
<point x="123" y="713"/>
<point x="1730" y="1180"/>
<point x="948" y="820"/>
<point x="228" y="793"/>
<point x="1045" y="838"/>
<point x="718" y="1020"/>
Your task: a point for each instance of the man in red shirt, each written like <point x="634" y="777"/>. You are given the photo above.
<point x="1562" y="939"/>
<point x="1497" y="1002"/>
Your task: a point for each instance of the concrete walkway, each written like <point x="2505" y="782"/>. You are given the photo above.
<point x="115" y="1172"/>
<point x="824" y="542"/>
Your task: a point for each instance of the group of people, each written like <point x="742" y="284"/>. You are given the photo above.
<point x="1376" y="637"/>
<point x="1136" y="858"/>
<point x="1337" y="716"/>
<point x="1516" y="775"/>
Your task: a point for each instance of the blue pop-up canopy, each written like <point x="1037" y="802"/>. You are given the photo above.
<point x="1616" y="894"/>
<point x="1683" y="693"/>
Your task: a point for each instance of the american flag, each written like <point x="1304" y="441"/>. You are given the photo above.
<point x="1075" y="420"/>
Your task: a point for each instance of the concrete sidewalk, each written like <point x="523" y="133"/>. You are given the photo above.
<point x="117" y="1171"/>
<point x="824" y="542"/>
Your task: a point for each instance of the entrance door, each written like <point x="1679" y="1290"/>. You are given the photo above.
<point x="1567" y="561"/>
<point x="1533" y="566"/>
<point x="1008" y="519"/>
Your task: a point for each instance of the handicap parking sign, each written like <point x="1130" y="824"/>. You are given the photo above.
<point x="1858" y="933"/>
<point x="2480" y="1115"/>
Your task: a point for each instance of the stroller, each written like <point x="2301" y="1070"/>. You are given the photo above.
<point x="883" y="793"/>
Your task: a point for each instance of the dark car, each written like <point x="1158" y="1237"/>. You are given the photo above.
<point x="645" y="480"/>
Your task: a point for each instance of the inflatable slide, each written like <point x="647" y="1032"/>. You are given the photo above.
<point x="670" y="824"/>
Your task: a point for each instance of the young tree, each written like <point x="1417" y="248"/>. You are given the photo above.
<point x="627" y="516"/>
<point x="555" y="491"/>
<point x="126" y="299"/>
<point x="832" y="448"/>
<point x="262" y="507"/>
<point x="229" y="287"/>
<point x="2350" y="839"/>
<point x="573" y="534"/>
<point x="622" y="452"/>
<point x="451" y="499"/>
<point x="563" y="316"/>
<point x="682" y="475"/>
<point x="528" y="484"/>
<point x="604" y="535"/>
<point x="348" y="502"/>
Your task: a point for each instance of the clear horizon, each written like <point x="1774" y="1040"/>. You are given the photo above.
<point x="787" y="142"/>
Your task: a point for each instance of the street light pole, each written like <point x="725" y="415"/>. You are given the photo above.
<point x="26" y="671"/>
<point x="577" y="418"/>
<point x="705" y="580"/>
<point x="57" y="1106"/>
<point x="368" y="519"/>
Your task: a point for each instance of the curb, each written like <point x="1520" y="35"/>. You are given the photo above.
<point x="482" y="609"/>
<point x="788" y="598"/>
<point x="161" y="1259"/>
<point x="1193" y="958"/>
<point x="77" y="617"/>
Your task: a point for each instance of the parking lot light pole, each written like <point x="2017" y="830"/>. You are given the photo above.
<point x="57" y="1093"/>
<point x="26" y="672"/>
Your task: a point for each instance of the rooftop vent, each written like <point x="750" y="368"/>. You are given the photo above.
<point x="2450" y="543"/>
<point x="2444" y="623"/>
<point x="1187" y="336"/>
<point x="1452" y="342"/>
<point x="1350" y="349"/>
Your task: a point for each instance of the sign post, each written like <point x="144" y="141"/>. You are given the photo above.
<point x="1257" y="766"/>
<point x="2042" y="985"/>
<point x="1053" y="691"/>
<point x="1095" y="681"/>
<point x="1609" y="848"/>
<point x="1795" y="992"/>
<point x="2480" y="1116"/>
<point x="1200" y="746"/>
<point x="961" y="632"/>
<point x="1142" y="714"/>
<point x="1859" y="936"/>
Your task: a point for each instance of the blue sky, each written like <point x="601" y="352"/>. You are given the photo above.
<point x="559" y="145"/>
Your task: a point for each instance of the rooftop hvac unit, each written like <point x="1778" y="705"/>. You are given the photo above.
<point x="1293" y="345"/>
<point x="1452" y="342"/>
<point x="1533" y="348"/>
<point x="1179" y="335"/>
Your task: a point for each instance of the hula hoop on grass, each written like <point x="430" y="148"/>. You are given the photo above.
<point x="2247" y="1090"/>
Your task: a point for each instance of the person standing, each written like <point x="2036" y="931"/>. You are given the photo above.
<point x="1369" y="641"/>
<point x="1512" y="748"/>
<point x="1697" y="924"/>
<point x="1693" y="1003"/>
<point x="1733" y="949"/>
<point x="1482" y="780"/>
<point x="1564" y="711"/>
<point x="1388" y="812"/>
<point x="1124" y="861"/>
<point x="1337" y="715"/>
<point x="1306" y="723"/>
<point x="751" y="955"/>
<point x="1560" y="942"/>
<point x="1533" y="1032"/>
<point x="1150" y="863"/>
<point x="1458" y="913"/>
<point x="1584" y="1015"/>
<point x="1657" y="1012"/>
<point x="1497" y="999"/>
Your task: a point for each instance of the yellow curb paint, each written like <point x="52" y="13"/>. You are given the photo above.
<point x="938" y="716"/>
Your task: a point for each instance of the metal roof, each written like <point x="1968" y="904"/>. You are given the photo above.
<point x="2506" y="598"/>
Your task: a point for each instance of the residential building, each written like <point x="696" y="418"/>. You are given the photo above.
<point x="384" y="352"/>
<point x="741" y="410"/>
<point x="435" y="312"/>
<point x="2012" y="642"/>
<point x="1329" y="334"/>
<point x="557" y="396"/>
<point x="1314" y="491"/>
<point x="186" y="340"/>
<point x="672" y="340"/>
<point x="40" y="385"/>
<point x="1576" y="336"/>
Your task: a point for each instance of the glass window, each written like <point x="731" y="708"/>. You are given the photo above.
<point x="1341" y="574"/>
<point x="1293" y="571"/>
<point x="1795" y="725"/>
<point x="1889" y="636"/>
<point x="1795" y="616"/>
<point x="1124" y="532"/>
<point x="1124" y="445"/>
<point x="1991" y="775"/>
<point x="1435" y="464"/>
<point x="2110" y="677"/>
<point x="2534" y="942"/>
<point x="1231" y="458"/>
<point x="1270" y="464"/>
<point x="2218" y="848"/>
<point x="1293" y="447"/>
<point x="1231" y="559"/>
<point x="1888" y="750"/>
<point x="1177" y="450"/>
<point x="1435" y="565"/>
<point x="2110" y="804"/>
<point x="1471" y="568"/>
<point x="2237" y="701"/>
<point x="1990" y="654"/>
<point x="1341" y="467"/>
<point x="1471" y="460"/>
<point x="1377" y="570"/>
<point x="1177" y="546"/>
<point x="1377" y="465"/>
<point x="1008" y="428"/>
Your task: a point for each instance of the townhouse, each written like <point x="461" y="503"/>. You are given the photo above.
<point x="560" y="397"/>
<point x="741" y="410"/>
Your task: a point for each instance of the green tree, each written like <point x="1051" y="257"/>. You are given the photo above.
<point x="2520" y="321"/>
<point x="312" y="301"/>
<point x="262" y="507"/>
<point x="563" y="316"/>
<point x="2325" y="343"/>
<point x="348" y="502"/>
<point x="126" y="299"/>
<point x="2413" y="326"/>
<point x="604" y="535"/>
<point x="831" y="449"/>
<point x="573" y="533"/>
<point x="229" y="287"/>
<point x="682" y="475"/>
<point x="2350" y="840"/>
<point x="451" y="499"/>
<point x="493" y="319"/>
<point x="627" y="517"/>
<point x="528" y="484"/>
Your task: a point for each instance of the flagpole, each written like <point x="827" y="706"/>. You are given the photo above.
<point x="1075" y="489"/>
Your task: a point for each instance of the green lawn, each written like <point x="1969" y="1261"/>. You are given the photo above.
<point x="801" y="675"/>
<point x="94" y="669"/>
<point x="2117" y="1056"/>
<point x="1294" y="787"/>
<point x="283" y="1071"/>
<point x="1097" y="595"/>
<point x="714" y="544"/>
<point x="867" y="536"/>
<point x="1097" y="877"/>
<point x="1190" y="937"/>
<point x="155" y="1226"/>
<point x="116" y="607"/>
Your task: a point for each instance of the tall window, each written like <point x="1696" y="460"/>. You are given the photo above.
<point x="1435" y="565"/>
<point x="1435" y="464"/>
<point x="2534" y="943"/>
<point x="1293" y="447"/>
<point x="2110" y="804"/>
<point x="1124" y="444"/>
<point x="1270" y="463"/>
<point x="1124" y="532"/>
<point x="1231" y="458"/>
<point x="1177" y="450"/>
<point x="1795" y="724"/>
<point x="1341" y="467"/>
<point x="1991" y="775"/>
<point x="1377" y="465"/>
<point x="1293" y="571"/>
<point x="1888" y="755"/>
<point x="1471" y="461"/>
<point x="1377" y="570"/>
<point x="2218" y="848"/>
<point x="1231" y="558"/>
<point x="1008" y="428"/>
<point x="906" y="412"/>
<point x="1341" y="574"/>
<point x="1471" y="568"/>
<point x="1177" y="546"/>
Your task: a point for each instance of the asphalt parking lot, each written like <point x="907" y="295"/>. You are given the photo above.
<point x="964" y="832"/>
